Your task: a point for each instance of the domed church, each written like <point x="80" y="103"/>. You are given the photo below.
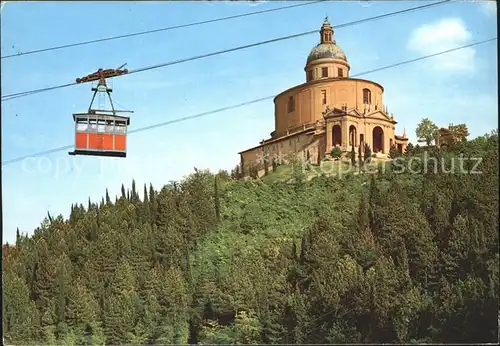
<point x="329" y="110"/>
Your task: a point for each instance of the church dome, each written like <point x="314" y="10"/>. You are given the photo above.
<point x="327" y="48"/>
<point x="326" y="51"/>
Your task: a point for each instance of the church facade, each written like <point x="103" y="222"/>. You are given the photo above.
<point x="330" y="109"/>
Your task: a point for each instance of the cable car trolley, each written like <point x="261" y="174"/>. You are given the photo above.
<point x="101" y="132"/>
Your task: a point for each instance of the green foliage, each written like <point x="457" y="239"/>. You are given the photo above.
<point x="409" y="149"/>
<point x="266" y="166"/>
<point x="394" y="152"/>
<point x="353" y="156"/>
<point x="336" y="153"/>
<point x="399" y="258"/>
<point x="460" y="132"/>
<point x="368" y="153"/>
<point x="426" y="131"/>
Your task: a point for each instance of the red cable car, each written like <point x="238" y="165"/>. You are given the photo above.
<point x="101" y="132"/>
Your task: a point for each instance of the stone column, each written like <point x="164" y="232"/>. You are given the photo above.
<point x="345" y="134"/>
<point x="328" y="134"/>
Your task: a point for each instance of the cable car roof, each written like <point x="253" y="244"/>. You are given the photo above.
<point x="103" y="116"/>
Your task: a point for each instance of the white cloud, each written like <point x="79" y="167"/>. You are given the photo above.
<point x="445" y="34"/>
<point x="489" y="8"/>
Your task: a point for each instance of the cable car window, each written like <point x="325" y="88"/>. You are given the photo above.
<point x="81" y="127"/>
<point x="120" y="127"/>
<point x="101" y="128"/>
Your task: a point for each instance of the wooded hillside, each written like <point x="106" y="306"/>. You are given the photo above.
<point x="362" y="259"/>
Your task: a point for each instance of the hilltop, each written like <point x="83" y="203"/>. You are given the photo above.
<point x="386" y="257"/>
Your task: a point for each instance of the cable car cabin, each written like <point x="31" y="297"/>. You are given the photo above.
<point x="100" y="135"/>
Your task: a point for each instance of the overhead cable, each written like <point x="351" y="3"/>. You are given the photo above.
<point x="31" y="92"/>
<point x="173" y="121"/>
<point x="159" y="30"/>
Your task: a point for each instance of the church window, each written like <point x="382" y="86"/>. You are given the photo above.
<point x="340" y="72"/>
<point x="324" y="72"/>
<point x="309" y="75"/>
<point x="323" y="97"/>
<point x="291" y="104"/>
<point x="367" y="96"/>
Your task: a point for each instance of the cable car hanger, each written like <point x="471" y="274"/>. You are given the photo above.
<point x="98" y="133"/>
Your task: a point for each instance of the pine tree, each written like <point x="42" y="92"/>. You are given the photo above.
<point x="394" y="152"/>
<point x="20" y="316"/>
<point x="409" y="149"/>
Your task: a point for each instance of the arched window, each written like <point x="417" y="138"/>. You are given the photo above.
<point x="367" y="96"/>
<point x="291" y="104"/>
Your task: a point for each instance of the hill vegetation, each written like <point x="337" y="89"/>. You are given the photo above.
<point x="367" y="258"/>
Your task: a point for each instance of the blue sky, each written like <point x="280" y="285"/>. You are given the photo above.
<point x="457" y="87"/>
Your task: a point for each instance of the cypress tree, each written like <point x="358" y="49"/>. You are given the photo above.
<point x="353" y="156"/>
<point x="368" y="153"/>
<point x="360" y="158"/>
<point x="217" y="200"/>
<point x="123" y="192"/>
<point x="145" y="199"/>
<point x="108" y="200"/>
<point x="18" y="237"/>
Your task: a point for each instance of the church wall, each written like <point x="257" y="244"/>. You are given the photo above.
<point x="305" y="98"/>
<point x="309" y="104"/>
<point x="333" y="66"/>
<point x="280" y="149"/>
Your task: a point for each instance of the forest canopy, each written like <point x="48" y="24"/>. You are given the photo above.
<point x="367" y="258"/>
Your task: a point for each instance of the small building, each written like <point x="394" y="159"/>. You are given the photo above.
<point x="450" y="135"/>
